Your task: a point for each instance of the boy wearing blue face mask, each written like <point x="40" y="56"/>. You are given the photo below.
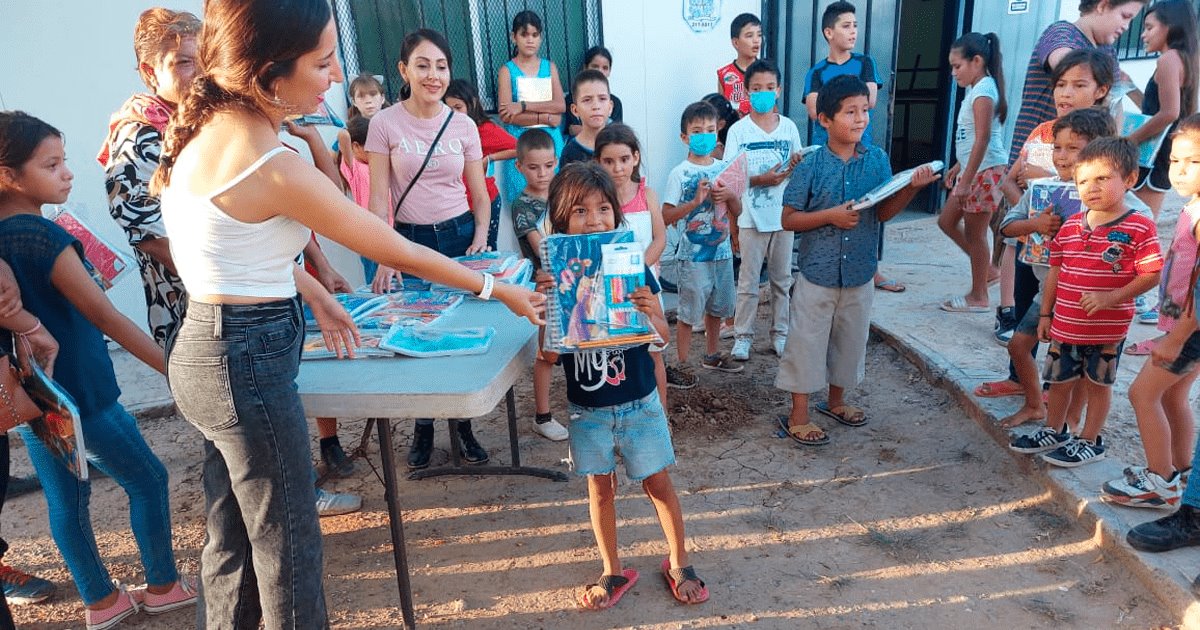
<point x="705" y="257"/>
<point x="772" y="146"/>
<point x="831" y="302"/>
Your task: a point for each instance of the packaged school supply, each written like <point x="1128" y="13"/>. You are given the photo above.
<point x="1048" y="193"/>
<point x="315" y="348"/>
<point x="489" y="262"/>
<point x="107" y="264"/>
<point x="1148" y="149"/>
<point x="409" y="307"/>
<point x="734" y="178"/>
<point x="59" y="428"/>
<point x="433" y="341"/>
<point x="354" y="303"/>
<point x="893" y="186"/>
<point x="1041" y="155"/>
<point x="588" y="306"/>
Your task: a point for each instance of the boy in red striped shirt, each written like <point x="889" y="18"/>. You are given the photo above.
<point x="1100" y="260"/>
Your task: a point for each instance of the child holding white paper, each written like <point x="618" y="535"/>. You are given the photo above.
<point x="615" y="408"/>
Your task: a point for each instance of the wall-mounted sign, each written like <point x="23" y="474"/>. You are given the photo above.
<point x="701" y="15"/>
<point x="1016" y="7"/>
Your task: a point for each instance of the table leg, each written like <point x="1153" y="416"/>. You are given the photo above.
<point x="391" y="492"/>
<point x="515" y="468"/>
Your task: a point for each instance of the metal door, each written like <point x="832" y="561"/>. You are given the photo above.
<point x="800" y="40"/>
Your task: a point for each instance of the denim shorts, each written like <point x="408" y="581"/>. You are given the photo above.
<point x="1066" y="362"/>
<point x="705" y="288"/>
<point x="1189" y="356"/>
<point x="1029" y="322"/>
<point x="636" y="430"/>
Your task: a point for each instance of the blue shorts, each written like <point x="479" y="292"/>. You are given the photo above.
<point x="705" y="288"/>
<point x="636" y="430"/>
<point x="1066" y="362"/>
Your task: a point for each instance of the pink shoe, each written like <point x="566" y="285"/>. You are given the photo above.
<point x="181" y="595"/>
<point x="124" y="607"/>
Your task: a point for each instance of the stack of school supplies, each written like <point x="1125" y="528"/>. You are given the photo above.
<point x="426" y="341"/>
<point x="354" y="303"/>
<point x="409" y="307"/>
<point x="1053" y="193"/>
<point x="104" y="262"/>
<point x="370" y="340"/>
<point x="588" y="306"/>
<point x="893" y="186"/>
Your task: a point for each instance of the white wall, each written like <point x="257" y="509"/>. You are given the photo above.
<point x="660" y="67"/>
<point x="72" y="64"/>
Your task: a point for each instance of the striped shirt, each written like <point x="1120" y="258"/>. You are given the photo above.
<point x="1037" y="99"/>
<point x="1101" y="258"/>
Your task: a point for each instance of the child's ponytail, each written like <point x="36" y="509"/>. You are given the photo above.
<point x="995" y="67"/>
<point x="986" y="47"/>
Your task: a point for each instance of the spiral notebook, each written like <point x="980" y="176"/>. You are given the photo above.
<point x="1047" y="193"/>
<point x="1148" y="149"/>
<point x="59" y="427"/>
<point x="893" y="186"/>
<point x="105" y="263"/>
<point x="588" y="306"/>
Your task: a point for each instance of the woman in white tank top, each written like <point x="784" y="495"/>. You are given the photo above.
<point x="238" y="210"/>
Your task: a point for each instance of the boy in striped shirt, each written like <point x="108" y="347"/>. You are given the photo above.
<point x="1100" y="260"/>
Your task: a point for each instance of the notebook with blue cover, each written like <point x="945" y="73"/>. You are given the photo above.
<point x="588" y="306"/>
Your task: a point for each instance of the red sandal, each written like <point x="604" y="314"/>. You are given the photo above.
<point x="676" y="577"/>
<point x="999" y="389"/>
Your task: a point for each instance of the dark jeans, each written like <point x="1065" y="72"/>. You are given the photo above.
<point x="494" y="223"/>
<point x="1025" y="289"/>
<point x="232" y="370"/>
<point x="450" y="238"/>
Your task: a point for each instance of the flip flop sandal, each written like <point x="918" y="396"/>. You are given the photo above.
<point x="1141" y="349"/>
<point x="615" y="586"/>
<point x="891" y="286"/>
<point x="676" y="577"/>
<point x="999" y="389"/>
<point x="958" y="304"/>
<point x="801" y="432"/>
<point x="846" y="414"/>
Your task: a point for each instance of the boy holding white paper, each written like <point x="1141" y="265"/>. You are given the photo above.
<point x="831" y="302"/>
<point x="771" y="143"/>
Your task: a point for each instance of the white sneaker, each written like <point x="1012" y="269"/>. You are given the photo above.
<point x="779" y="344"/>
<point x="551" y="430"/>
<point x="741" y="349"/>
<point x="337" y="503"/>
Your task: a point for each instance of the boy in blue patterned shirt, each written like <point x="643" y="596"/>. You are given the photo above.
<point x="831" y="300"/>
<point x="706" y="289"/>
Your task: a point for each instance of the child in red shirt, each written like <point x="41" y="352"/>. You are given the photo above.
<point x="1100" y="260"/>
<point x="497" y="144"/>
<point x="745" y="33"/>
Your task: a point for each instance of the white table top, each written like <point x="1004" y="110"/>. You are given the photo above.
<point x="440" y="387"/>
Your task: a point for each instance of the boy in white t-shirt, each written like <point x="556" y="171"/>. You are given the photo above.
<point x="771" y="142"/>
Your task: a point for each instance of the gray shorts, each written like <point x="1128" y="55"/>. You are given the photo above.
<point x="705" y="288"/>
<point x="1029" y="322"/>
<point x="827" y="344"/>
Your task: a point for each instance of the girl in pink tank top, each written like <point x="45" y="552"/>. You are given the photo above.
<point x="1159" y="394"/>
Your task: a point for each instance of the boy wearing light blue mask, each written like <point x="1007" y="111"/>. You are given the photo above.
<point x="771" y="143"/>
<point x="706" y="289"/>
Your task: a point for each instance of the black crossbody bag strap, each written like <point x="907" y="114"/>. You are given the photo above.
<point x="428" y="156"/>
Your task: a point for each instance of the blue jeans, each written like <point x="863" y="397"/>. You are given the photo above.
<point x="450" y="238"/>
<point x="232" y="370"/>
<point x="115" y="446"/>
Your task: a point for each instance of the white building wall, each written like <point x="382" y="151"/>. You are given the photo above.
<point x="660" y="67"/>
<point x="71" y="63"/>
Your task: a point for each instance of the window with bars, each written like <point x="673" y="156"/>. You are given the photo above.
<point x="1129" y="46"/>
<point x="478" y="31"/>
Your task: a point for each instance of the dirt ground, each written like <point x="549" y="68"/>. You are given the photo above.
<point x="917" y="520"/>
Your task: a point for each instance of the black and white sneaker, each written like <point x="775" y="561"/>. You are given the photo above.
<point x="1040" y="441"/>
<point x="1077" y="452"/>
<point x="1006" y="324"/>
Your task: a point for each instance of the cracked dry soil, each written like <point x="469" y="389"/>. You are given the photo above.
<point x="914" y="521"/>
